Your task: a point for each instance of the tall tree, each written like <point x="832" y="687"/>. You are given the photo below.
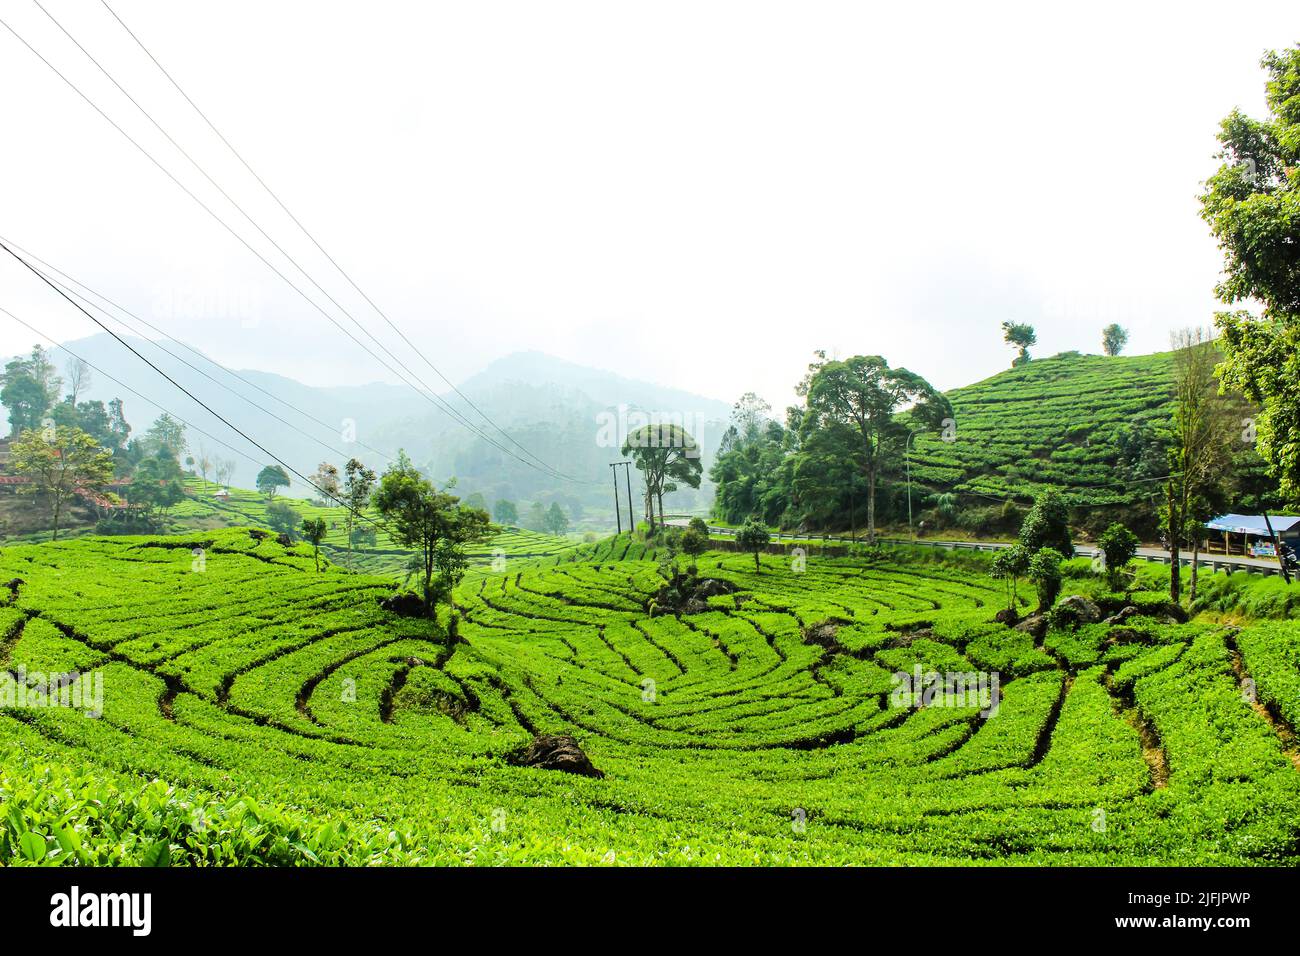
<point x="314" y="529"/>
<point x="358" y="485"/>
<point x="1200" y="452"/>
<point x="665" y="454"/>
<point x="1252" y="205"/>
<point x="752" y="470"/>
<point x="78" y="377"/>
<point x="1047" y="526"/>
<point x="1022" y="336"/>
<point x="865" y="395"/>
<point x="61" y="463"/>
<point x="1113" y="339"/>
<point x="117" y="425"/>
<point x="28" y="389"/>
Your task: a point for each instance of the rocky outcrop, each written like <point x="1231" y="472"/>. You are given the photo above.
<point x="556" y="752"/>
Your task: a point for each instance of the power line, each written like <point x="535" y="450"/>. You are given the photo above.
<point x="424" y="391"/>
<point x="380" y="312"/>
<point x="49" y="268"/>
<point x="194" y="398"/>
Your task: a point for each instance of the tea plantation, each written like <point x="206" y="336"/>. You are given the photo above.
<point x="1053" y="423"/>
<point x="257" y="712"/>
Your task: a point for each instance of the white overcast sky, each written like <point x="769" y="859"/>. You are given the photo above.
<point x="696" y="193"/>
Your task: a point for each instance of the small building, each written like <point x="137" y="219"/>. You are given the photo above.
<point x="1248" y="534"/>
<point x="221" y="494"/>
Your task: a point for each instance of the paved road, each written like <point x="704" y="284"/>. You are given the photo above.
<point x="1211" y="562"/>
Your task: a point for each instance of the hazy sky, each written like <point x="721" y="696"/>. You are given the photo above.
<point x="696" y="193"/>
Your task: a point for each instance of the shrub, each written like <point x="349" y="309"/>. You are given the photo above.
<point x="1047" y="526"/>
<point x="1045" y="572"/>
<point x="1009" y="565"/>
<point x="753" y="537"/>
<point x="1119" y="546"/>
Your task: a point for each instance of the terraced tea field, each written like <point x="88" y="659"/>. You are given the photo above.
<point x="1052" y="423"/>
<point x="256" y="711"/>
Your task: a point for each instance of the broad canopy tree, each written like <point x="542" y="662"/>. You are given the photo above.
<point x="665" y="454"/>
<point x="271" y="478"/>
<point x="60" y="463"/>
<point x="863" y="396"/>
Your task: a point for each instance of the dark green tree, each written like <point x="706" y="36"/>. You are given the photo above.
<point x="505" y="513"/>
<point x="28" y="389"/>
<point x="284" y="518"/>
<point x="1045" y="572"/>
<point x="1119" y="546"/>
<point x="1047" y="526"/>
<point x="430" y="521"/>
<point x="1252" y="205"/>
<point x="864" y="395"/>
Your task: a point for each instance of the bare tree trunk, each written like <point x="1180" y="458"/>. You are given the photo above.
<point x="1196" y="566"/>
<point x="1175" y="522"/>
<point x="871" y="506"/>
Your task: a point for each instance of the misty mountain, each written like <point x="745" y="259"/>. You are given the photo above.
<point x="569" y="416"/>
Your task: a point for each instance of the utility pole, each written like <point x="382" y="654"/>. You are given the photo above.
<point x="618" y="515"/>
<point x="631" y="520"/>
